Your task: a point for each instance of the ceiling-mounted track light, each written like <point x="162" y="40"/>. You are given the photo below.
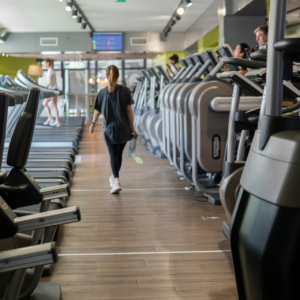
<point x="177" y="17"/>
<point x="79" y="19"/>
<point x="69" y="5"/>
<point x="61" y="0"/>
<point x="169" y="28"/>
<point x="83" y="25"/>
<point x="180" y="10"/>
<point x="189" y="3"/>
<point x="172" y="22"/>
<point x="74" y="12"/>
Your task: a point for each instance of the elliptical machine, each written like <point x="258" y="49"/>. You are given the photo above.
<point x="265" y="224"/>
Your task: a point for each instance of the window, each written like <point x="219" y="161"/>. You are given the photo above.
<point x="131" y="76"/>
<point x="103" y="64"/>
<point x="75" y="64"/>
<point x="134" y="63"/>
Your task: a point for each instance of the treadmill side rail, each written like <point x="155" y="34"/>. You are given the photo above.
<point x="54" y="192"/>
<point x="27" y="257"/>
<point x="49" y="218"/>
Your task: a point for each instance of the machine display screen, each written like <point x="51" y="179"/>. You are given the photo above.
<point x="108" y="41"/>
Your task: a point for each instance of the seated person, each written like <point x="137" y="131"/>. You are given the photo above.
<point x="240" y="52"/>
<point x="261" y="34"/>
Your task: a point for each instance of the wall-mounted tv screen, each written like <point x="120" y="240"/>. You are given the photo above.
<point x="108" y="41"/>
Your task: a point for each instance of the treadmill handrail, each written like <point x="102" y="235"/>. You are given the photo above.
<point x="238" y="62"/>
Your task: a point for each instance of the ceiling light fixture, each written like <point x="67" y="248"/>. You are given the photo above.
<point x="74" y="12"/>
<point x="172" y="22"/>
<point x="69" y="5"/>
<point x="189" y="3"/>
<point x="61" y="0"/>
<point x="83" y="25"/>
<point x="177" y="17"/>
<point x="180" y="10"/>
<point x="79" y="19"/>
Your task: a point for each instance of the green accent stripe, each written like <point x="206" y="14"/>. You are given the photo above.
<point x="138" y="160"/>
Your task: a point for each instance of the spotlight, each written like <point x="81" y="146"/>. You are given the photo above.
<point x="169" y="28"/>
<point x="172" y="23"/>
<point x="74" y="13"/>
<point x="83" y="25"/>
<point x="177" y="17"/>
<point x="68" y="5"/>
<point x="180" y="10"/>
<point x="91" y="81"/>
<point x="61" y="0"/>
<point x="189" y="3"/>
<point x="98" y="80"/>
<point x="79" y="19"/>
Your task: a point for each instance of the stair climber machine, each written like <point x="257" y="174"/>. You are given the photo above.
<point x="163" y="111"/>
<point x="188" y="64"/>
<point x="153" y="144"/>
<point x="155" y="126"/>
<point x="243" y="118"/>
<point x="142" y="107"/>
<point x="265" y="226"/>
<point x="207" y="62"/>
<point x="209" y="124"/>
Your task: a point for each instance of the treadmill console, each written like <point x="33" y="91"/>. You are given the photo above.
<point x="146" y="75"/>
<point x="153" y="72"/>
<point x="189" y="60"/>
<point x="210" y="56"/>
<point x="183" y="62"/>
<point x="226" y="51"/>
<point x="162" y="72"/>
<point x="198" y="58"/>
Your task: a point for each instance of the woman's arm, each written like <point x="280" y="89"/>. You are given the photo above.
<point x="130" y="115"/>
<point x="95" y="118"/>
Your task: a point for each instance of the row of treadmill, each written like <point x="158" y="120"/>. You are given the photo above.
<point x="203" y="119"/>
<point x="36" y="169"/>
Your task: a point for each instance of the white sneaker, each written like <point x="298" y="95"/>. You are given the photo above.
<point x="111" y="180"/>
<point x="55" y="124"/>
<point x="116" y="188"/>
<point x="49" y="121"/>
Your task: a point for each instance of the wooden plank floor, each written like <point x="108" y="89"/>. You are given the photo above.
<point x="123" y="232"/>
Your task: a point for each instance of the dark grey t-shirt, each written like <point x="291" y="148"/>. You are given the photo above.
<point x="116" y="125"/>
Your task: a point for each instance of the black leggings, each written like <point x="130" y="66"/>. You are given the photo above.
<point x="115" y="153"/>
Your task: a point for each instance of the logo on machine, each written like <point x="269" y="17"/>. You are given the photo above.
<point x="216" y="146"/>
<point x="5" y="206"/>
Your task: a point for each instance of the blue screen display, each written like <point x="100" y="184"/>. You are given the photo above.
<point x="108" y="41"/>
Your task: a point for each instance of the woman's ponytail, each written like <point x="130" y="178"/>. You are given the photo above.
<point x="112" y="72"/>
<point x="50" y="61"/>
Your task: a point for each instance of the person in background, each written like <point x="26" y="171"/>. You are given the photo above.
<point x="52" y="85"/>
<point x="240" y="52"/>
<point x="115" y="103"/>
<point x="261" y="34"/>
<point x="173" y="60"/>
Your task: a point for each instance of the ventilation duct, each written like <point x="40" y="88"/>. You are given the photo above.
<point x="53" y="42"/>
<point x="138" y="41"/>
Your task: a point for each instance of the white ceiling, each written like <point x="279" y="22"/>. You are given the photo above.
<point x="104" y="15"/>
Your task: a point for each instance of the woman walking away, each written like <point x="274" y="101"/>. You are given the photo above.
<point x="48" y="63"/>
<point x="114" y="102"/>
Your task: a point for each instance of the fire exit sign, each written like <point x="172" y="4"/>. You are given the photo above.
<point x="120" y="0"/>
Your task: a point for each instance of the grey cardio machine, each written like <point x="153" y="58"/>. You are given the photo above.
<point x="265" y="224"/>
